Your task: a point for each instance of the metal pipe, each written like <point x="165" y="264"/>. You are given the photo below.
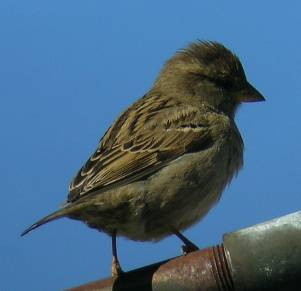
<point x="262" y="257"/>
<point x="266" y="256"/>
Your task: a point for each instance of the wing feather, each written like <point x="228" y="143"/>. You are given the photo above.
<point x="150" y="134"/>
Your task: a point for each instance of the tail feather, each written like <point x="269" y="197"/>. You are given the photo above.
<point x="55" y="215"/>
<point x="68" y="209"/>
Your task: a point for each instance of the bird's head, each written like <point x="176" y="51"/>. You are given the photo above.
<point x="211" y="72"/>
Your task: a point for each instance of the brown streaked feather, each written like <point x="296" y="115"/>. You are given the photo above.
<point x="150" y="134"/>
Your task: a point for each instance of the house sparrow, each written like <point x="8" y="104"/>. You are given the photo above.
<point x="166" y="160"/>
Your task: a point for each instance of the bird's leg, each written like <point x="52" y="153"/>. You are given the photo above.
<point x="188" y="246"/>
<point x="116" y="268"/>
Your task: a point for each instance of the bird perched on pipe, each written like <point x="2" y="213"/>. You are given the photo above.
<point x="166" y="160"/>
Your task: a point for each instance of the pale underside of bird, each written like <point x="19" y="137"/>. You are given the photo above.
<point x="166" y="160"/>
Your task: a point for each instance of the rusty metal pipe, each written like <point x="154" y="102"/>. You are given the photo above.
<point x="262" y="257"/>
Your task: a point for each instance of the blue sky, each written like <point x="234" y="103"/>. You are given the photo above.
<point x="68" y="68"/>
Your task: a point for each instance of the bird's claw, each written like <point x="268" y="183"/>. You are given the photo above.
<point x="189" y="248"/>
<point x="116" y="269"/>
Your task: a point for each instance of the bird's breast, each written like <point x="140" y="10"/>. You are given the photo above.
<point x="182" y="193"/>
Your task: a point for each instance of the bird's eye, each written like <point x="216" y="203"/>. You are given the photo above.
<point x="223" y="82"/>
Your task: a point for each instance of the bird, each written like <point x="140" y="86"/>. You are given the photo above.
<point x="166" y="160"/>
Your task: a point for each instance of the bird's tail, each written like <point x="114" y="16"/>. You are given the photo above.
<point x="46" y="219"/>
<point x="55" y="215"/>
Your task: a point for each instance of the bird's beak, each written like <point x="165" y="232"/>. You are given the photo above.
<point x="249" y="94"/>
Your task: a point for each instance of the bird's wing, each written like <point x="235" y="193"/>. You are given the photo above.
<point x="151" y="133"/>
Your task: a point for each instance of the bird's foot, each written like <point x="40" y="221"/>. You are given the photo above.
<point x="189" y="248"/>
<point x="116" y="268"/>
